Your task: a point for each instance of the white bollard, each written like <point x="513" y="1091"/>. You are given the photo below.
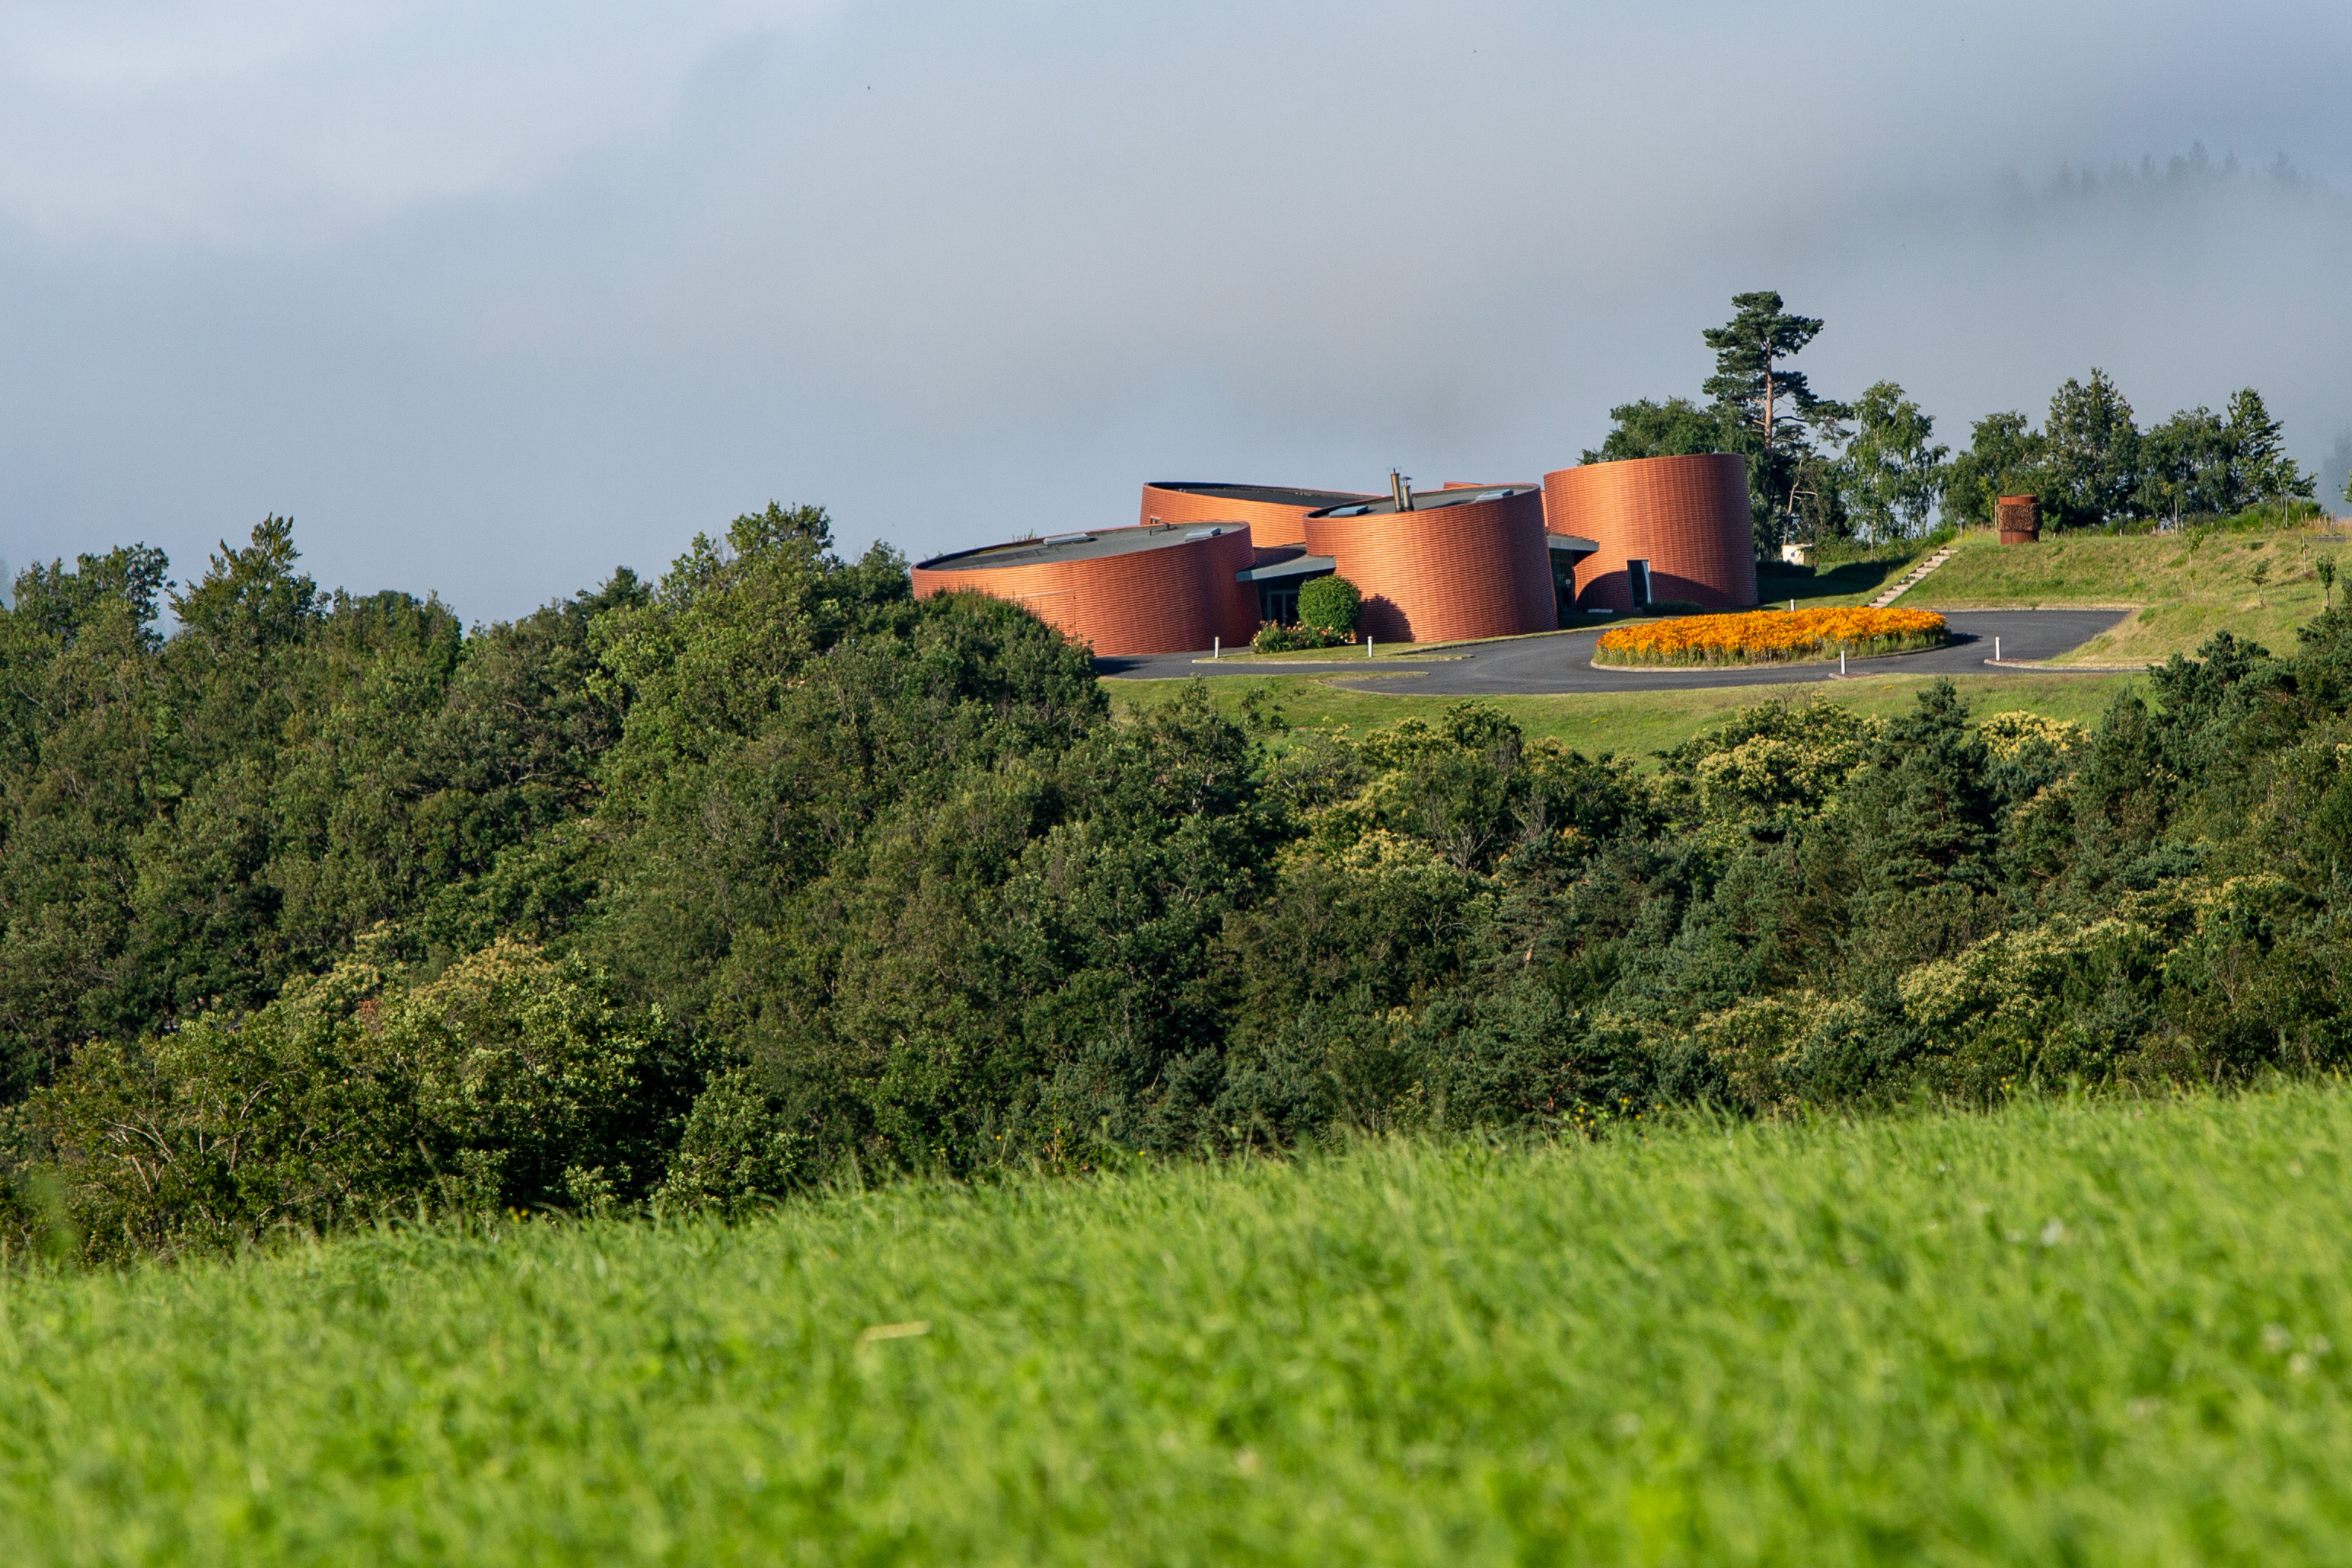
<point x="1996" y="650"/>
<point x="1216" y="648"/>
<point x="1368" y="646"/>
<point x="1792" y="607"/>
<point x="1841" y="661"/>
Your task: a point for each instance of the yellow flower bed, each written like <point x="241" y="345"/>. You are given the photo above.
<point x="1770" y="636"/>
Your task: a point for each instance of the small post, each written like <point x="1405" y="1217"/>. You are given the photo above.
<point x="1217" y="647"/>
<point x="1368" y="644"/>
<point x="1996" y="650"/>
<point x="1792" y="607"/>
<point x="1841" y="661"/>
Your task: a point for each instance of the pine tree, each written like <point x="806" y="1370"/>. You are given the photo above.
<point x="2260" y="470"/>
<point x="1769" y="410"/>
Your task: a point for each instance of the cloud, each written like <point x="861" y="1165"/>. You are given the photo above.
<point x="491" y="298"/>
<point x="253" y="124"/>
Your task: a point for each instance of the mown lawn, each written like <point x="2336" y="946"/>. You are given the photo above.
<point x="2063" y="1334"/>
<point x="1631" y="723"/>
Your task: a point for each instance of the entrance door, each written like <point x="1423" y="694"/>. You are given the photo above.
<point x="1637" y="576"/>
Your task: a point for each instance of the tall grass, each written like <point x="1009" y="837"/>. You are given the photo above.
<point x="2063" y="1334"/>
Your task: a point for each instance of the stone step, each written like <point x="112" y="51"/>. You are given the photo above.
<point x="1911" y="579"/>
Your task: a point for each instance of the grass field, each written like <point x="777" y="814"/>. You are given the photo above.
<point x="1632" y="724"/>
<point x="2062" y="1334"/>
<point x="2185" y="596"/>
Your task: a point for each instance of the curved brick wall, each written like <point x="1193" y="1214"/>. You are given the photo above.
<point x="1687" y="517"/>
<point x="1272" y="523"/>
<point x="1480" y="569"/>
<point x="1170" y="599"/>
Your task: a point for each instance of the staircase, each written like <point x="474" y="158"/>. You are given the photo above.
<point x="1911" y="579"/>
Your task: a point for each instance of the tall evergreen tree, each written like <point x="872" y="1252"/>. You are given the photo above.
<point x="2259" y="468"/>
<point x="1769" y="409"/>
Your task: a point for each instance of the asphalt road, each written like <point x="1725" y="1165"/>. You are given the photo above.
<point x="1563" y="661"/>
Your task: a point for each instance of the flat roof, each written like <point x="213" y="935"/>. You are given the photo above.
<point x="1088" y="546"/>
<point x="1299" y="564"/>
<point x="1272" y="495"/>
<point x="1425" y="500"/>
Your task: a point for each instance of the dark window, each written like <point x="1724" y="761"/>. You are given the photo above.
<point x="1637" y="576"/>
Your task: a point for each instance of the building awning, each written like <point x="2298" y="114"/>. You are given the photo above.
<point x="1296" y="566"/>
<point x="1570" y="544"/>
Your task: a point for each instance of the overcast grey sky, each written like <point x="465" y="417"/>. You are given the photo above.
<point x="492" y="298"/>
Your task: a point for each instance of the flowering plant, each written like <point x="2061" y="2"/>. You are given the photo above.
<point x="1769" y="636"/>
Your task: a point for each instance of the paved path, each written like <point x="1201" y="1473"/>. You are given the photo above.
<point x="1563" y="660"/>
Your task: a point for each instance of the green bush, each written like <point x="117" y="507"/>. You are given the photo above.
<point x="1273" y="639"/>
<point x="1332" y="604"/>
<point x="509" y="1082"/>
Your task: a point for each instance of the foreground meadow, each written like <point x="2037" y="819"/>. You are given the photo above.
<point x="2065" y="1333"/>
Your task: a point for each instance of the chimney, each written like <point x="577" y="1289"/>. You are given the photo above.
<point x="1401" y="488"/>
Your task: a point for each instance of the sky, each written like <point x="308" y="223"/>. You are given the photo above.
<point x="492" y="299"/>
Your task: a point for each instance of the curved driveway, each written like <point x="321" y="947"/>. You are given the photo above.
<point x="1562" y="661"/>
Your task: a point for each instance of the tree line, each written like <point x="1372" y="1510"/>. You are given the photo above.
<point x="1820" y="470"/>
<point x="689" y="894"/>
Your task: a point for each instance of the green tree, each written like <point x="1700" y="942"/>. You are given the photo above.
<point x="2184" y="467"/>
<point x="2004" y="456"/>
<point x="2257" y="467"/>
<point x="1894" y="470"/>
<point x="252" y="596"/>
<point x="2201" y="462"/>
<point x="1770" y="411"/>
<point x="1674" y="428"/>
<point x="2091" y="460"/>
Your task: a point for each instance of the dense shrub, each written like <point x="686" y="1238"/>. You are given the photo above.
<point x="509" y="1081"/>
<point x="1273" y="638"/>
<point x="1330" y="604"/>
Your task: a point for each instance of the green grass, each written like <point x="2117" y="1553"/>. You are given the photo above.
<point x="2063" y="1334"/>
<point x="2183" y="596"/>
<point x="1631" y="723"/>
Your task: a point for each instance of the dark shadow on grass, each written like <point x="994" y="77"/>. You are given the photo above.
<point x="1777" y="583"/>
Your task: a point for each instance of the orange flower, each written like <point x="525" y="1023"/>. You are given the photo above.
<point x="1769" y="636"/>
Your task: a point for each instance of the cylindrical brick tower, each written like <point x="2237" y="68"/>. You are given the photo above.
<point x="1276" y="514"/>
<point x="1681" y="522"/>
<point x="1463" y="563"/>
<point x="2019" y="517"/>
<point x="1123" y="591"/>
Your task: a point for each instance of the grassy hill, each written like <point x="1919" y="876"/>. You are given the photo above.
<point x="2065" y="1333"/>
<point x="2184" y="594"/>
